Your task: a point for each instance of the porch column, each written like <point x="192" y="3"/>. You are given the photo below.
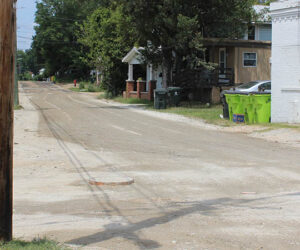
<point x="130" y="72"/>
<point x="151" y="72"/>
<point x="129" y="87"/>
<point x="130" y="81"/>
<point x="141" y="87"/>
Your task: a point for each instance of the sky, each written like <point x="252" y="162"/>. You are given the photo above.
<point x="25" y="23"/>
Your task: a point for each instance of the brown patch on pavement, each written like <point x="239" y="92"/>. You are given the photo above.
<point x="100" y="183"/>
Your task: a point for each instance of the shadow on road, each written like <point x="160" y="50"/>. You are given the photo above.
<point x="207" y="207"/>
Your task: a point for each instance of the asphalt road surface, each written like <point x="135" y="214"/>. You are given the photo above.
<point x="194" y="188"/>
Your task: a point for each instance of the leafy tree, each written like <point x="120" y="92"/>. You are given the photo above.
<point x="109" y="35"/>
<point x="73" y="36"/>
<point x="175" y="28"/>
<point x="26" y="62"/>
<point x="264" y="2"/>
<point x="55" y="42"/>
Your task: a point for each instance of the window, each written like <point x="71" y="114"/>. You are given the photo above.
<point x="250" y="59"/>
<point x="265" y="33"/>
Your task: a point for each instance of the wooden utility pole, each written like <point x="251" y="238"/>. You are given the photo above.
<point x="7" y="68"/>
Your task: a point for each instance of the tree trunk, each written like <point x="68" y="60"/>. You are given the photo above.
<point x="97" y="78"/>
<point x="7" y="68"/>
<point x="167" y="68"/>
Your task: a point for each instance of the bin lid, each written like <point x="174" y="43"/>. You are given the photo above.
<point x="234" y="92"/>
<point x="174" y="88"/>
<point x="259" y="93"/>
<point x="160" y="91"/>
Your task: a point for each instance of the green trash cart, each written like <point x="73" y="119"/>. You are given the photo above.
<point x="249" y="107"/>
<point x="235" y="106"/>
<point x="160" y="98"/>
<point x="262" y="107"/>
<point x="174" y="94"/>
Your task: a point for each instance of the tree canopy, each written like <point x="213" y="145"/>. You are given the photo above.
<point x="73" y="36"/>
<point x="55" y="41"/>
<point x="175" y="28"/>
<point x="108" y="35"/>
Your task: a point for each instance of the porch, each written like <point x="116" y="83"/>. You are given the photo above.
<point x="206" y="78"/>
<point x="246" y="60"/>
<point x="143" y="78"/>
<point x="138" y="89"/>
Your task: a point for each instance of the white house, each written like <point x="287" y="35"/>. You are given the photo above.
<point x="286" y="61"/>
<point x="134" y="58"/>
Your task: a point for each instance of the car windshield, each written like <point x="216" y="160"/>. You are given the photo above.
<point x="247" y="85"/>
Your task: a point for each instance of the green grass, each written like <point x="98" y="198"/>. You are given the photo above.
<point x="75" y="89"/>
<point x="120" y="99"/>
<point x="132" y="101"/>
<point x="210" y="114"/>
<point x="36" y="244"/>
<point x="18" y="107"/>
<point x="86" y="87"/>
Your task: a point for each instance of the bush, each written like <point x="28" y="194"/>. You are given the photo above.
<point x="26" y="76"/>
<point x="108" y="95"/>
<point x="91" y="88"/>
<point x="81" y="85"/>
<point x="38" y="78"/>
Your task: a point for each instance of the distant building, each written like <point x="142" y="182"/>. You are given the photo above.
<point x="41" y="71"/>
<point x="241" y="60"/>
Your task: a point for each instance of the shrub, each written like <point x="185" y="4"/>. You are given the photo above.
<point x="81" y="85"/>
<point x="91" y="88"/>
<point x="38" y="78"/>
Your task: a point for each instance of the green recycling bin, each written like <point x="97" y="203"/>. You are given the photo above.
<point x="262" y="108"/>
<point x="235" y="105"/>
<point x="229" y="100"/>
<point x="248" y="108"/>
<point x="174" y="94"/>
<point x="160" y="98"/>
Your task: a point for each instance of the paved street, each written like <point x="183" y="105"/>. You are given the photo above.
<point x="194" y="188"/>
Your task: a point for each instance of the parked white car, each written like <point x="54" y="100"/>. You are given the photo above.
<point x="255" y="86"/>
